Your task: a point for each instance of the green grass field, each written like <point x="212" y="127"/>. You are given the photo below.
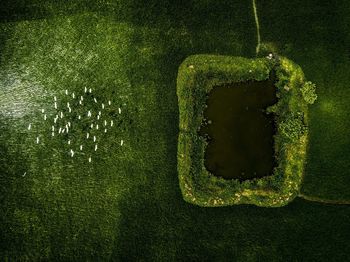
<point x="316" y="36"/>
<point x="126" y="204"/>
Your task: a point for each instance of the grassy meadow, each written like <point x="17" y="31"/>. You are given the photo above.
<point x="315" y="36"/>
<point x="126" y="204"/>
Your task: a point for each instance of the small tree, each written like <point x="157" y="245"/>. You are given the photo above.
<point x="293" y="126"/>
<point x="309" y="92"/>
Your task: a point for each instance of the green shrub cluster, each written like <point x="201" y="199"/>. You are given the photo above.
<point x="309" y="92"/>
<point x="293" y="126"/>
<point x="197" y="76"/>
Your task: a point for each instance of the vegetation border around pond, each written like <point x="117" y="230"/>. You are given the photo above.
<point x="197" y="75"/>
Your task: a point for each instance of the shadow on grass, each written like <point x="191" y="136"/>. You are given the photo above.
<point x="20" y="10"/>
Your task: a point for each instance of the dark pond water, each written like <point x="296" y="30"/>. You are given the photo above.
<point x="239" y="131"/>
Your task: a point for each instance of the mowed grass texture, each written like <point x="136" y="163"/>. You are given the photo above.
<point x="48" y="184"/>
<point x="126" y="205"/>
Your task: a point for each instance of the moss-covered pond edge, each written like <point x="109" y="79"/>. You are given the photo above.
<point x="197" y="75"/>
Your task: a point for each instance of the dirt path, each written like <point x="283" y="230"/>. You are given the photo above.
<point x="324" y="201"/>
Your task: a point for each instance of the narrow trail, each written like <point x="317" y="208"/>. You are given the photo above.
<point x="323" y="201"/>
<point x="257" y="27"/>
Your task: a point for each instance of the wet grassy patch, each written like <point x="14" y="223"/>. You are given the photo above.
<point x="239" y="130"/>
<point x="198" y="76"/>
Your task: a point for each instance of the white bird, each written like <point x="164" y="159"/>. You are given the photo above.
<point x="85" y="89"/>
<point x="68" y="142"/>
<point x="95" y="100"/>
<point x="96" y="126"/>
<point x="119" y="110"/>
<point x="55" y="120"/>
<point x="61" y="114"/>
<point x="53" y="129"/>
<point x="69" y="124"/>
<point x="55" y="105"/>
<point x="98" y="117"/>
<point x="69" y="109"/>
<point x="66" y="92"/>
<point x="53" y="133"/>
<point x="96" y="147"/>
<point x="60" y="130"/>
<point x="55" y="98"/>
<point x="81" y="147"/>
<point x="89" y="113"/>
<point x="89" y="159"/>
<point x="68" y="104"/>
<point x="105" y="130"/>
<point x="24" y="174"/>
<point x="90" y="91"/>
<point x="99" y="113"/>
<point x="92" y="125"/>
<point x="94" y="138"/>
<point x="103" y="106"/>
<point x="79" y="117"/>
<point x="109" y="102"/>
<point x="87" y="135"/>
<point x="42" y="110"/>
<point x="37" y="140"/>
<point x="29" y="126"/>
<point x="72" y="153"/>
<point x="80" y="102"/>
<point x="81" y="98"/>
<point x="73" y="95"/>
<point x="63" y="130"/>
<point x="105" y="122"/>
<point x="121" y="142"/>
<point x="45" y="117"/>
<point x="111" y="122"/>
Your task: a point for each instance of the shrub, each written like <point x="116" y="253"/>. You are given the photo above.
<point x="308" y="92"/>
<point x="293" y="127"/>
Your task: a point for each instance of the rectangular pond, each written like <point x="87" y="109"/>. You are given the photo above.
<point x="239" y="131"/>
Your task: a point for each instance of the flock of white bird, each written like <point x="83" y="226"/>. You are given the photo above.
<point x="63" y="122"/>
